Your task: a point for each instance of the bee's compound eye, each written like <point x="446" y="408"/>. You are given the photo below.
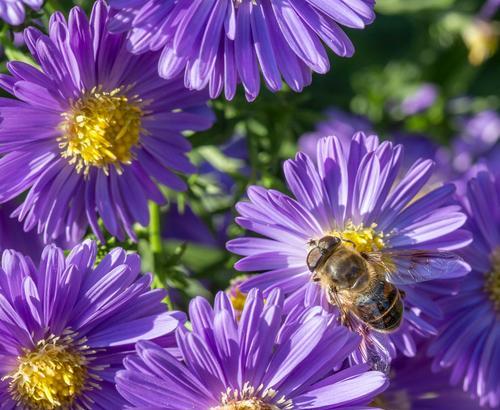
<point x="313" y="258"/>
<point x="329" y="242"/>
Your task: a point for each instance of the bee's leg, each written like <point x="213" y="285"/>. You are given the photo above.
<point x="330" y="297"/>
<point x="402" y="293"/>
<point x="343" y="318"/>
<point x="315" y="277"/>
<point x="333" y="301"/>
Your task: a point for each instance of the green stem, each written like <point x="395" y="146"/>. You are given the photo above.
<point x="154" y="228"/>
<point x="156" y="246"/>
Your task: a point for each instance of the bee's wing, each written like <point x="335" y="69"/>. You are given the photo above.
<point x="408" y="266"/>
<point x="375" y="353"/>
<point x="372" y="351"/>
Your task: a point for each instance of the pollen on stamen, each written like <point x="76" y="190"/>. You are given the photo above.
<point x="236" y="296"/>
<point x="52" y="375"/>
<point x="364" y="239"/>
<point x="251" y="398"/>
<point x="101" y="129"/>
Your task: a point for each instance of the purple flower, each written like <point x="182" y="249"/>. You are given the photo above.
<point x="219" y="43"/>
<point x="339" y="124"/>
<point x="423" y="98"/>
<point x="12" y="11"/>
<point x="414" y="386"/>
<point x="469" y="339"/>
<point x="13" y="237"/>
<point x="489" y="9"/>
<point x="479" y="137"/>
<point x="421" y="146"/>
<point x="344" y="125"/>
<point x="263" y="361"/>
<point x="92" y="131"/>
<point x="67" y="324"/>
<point x="353" y="195"/>
<point x="187" y="225"/>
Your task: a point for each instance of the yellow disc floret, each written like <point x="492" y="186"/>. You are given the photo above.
<point x="236" y="296"/>
<point x="364" y="239"/>
<point x="49" y="377"/>
<point x="238" y="299"/>
<point x="492" y="284"/>
<point x="250" y="398"/>
<point x="100" y="130"/>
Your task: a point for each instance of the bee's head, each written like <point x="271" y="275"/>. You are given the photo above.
<point x="321" y="250"/>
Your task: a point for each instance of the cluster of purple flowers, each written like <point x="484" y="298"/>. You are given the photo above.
<point x="92" y="129"/>
<point x="13" y="11"/>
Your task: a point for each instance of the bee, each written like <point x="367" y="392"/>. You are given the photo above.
<point x="364" y="286"/>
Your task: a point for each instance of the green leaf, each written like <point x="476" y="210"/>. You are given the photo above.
<point x="408" y="6"/>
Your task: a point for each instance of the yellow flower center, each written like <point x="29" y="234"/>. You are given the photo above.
<point x="252" y="404"/>
<point x="50" y="376"/>
<point x="364" y="239"/>
<point x="250" y="398"/>
<point x="236" y="296"/>
<point x="100" y="130"/>
<point x="492" y="284"/>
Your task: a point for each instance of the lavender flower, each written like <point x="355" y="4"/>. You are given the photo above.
<point x="66" y="325"/>
<point x="13" y="237"/>
<point x="219" y="43"/>
<point x="353" y="195"/>
<point x="91" y="132"/>
<point x="338" y="123"/>
<point x="187" y="225"/>
<point x="264" y="361"/>
<point x="13" y="12"/>
<point x="344" y="125"/>
<point x="414" y="386"/>
<point x="489" y="9"/>
<point x="469" y="339"/>
<point x="479" y="136"/>
<point x="418" y="146"/>
<point x="422" y="99"/>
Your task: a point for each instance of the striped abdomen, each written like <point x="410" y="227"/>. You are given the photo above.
<point x="380" y="307"/>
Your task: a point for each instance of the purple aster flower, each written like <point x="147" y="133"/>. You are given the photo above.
<point x="13" y="237"/>
<point x="469" y="339"/>
<point x="414" y="386"/>
<point x="91" y="131"/>
<point x="219" y="43"/>
<point x="493" y="160"/>
<point x="338" y="123"/>
<point x="263" y="361"/>
<point x="236" y="296"/>
<point x="421" y="146"/>
<point x="359" y="197"/>
<point x="67" y="324"/>
<point x="187" y="225"/>
<point x="479" y="136"/>
<point x="423" y="98"/>
<point x="344" y="125"/>
<point x="13" y="12"/>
